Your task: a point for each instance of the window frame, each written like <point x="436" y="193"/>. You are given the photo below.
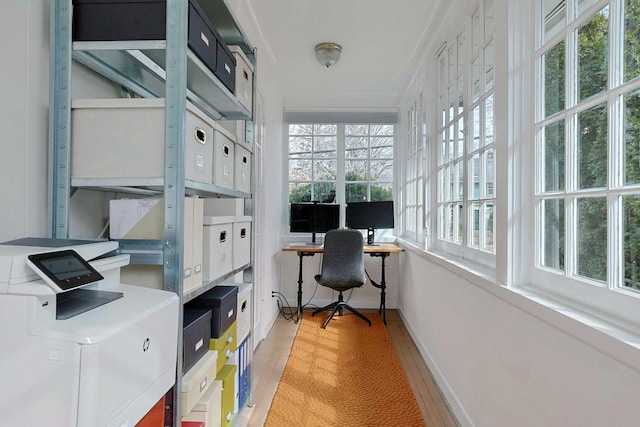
<point x="454" y="211"/>
<point x="341" y="159"/>
<point x="599" y="298"/>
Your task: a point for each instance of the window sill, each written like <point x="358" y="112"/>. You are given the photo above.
<point x="609" y="337"/>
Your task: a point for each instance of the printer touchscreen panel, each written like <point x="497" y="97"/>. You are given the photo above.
<point x="63" y="270"/>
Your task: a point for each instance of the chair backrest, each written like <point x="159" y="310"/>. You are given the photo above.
<point x="342" y="260"/>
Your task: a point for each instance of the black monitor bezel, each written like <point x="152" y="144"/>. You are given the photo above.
<point x="316" y="225"/>
<point x="354" y="208"/>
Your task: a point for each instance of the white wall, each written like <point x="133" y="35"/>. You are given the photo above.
<point x="499" y="365"/>
<point x="270" y="182"/>
<point x="24" y="109"/>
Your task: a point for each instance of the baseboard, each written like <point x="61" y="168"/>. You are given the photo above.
<point x="455" y="407"/>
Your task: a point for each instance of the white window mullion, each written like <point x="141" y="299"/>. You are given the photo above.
<point x="340" y="181"/>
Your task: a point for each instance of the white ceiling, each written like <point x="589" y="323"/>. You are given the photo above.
<point x="380" y="46"/>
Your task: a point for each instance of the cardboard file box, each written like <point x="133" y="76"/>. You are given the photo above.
<point x="244" y="78"/>
<point x="222" y="300"/>
<point x="144" y="219"/>
<point x="223" y="207"/>
<point x="243" y="310"/>
<point x="237" y="128"/>
<point x="195" y="336"/>
<point x="123" y="139"/>
<point x="223" y="158"/>
<point x="227" y="376"/>
<point x="241" y="241"/>
<point x="209" y="409"/>
<point x="108" y="20"/>
<point x="197" y="380"/>
<point x="226" y="346"/>
<point x="217" y="256"/>
<point x="242" y="169"/>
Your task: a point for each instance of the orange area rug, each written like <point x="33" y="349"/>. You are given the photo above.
<point x="346" y="375"/>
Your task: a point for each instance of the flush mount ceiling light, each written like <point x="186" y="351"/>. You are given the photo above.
<point x="328" y="53"/>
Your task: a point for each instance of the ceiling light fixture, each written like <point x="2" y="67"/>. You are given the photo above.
<point x="328" y="53"/>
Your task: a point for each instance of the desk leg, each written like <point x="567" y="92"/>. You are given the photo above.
<point x="382" y="285"/>
<point x="301" y="255"/>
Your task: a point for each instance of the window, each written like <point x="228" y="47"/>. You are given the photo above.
<point x="466" y="142"/>
<point x="368" y="162"/>
<point x="414" y="174"/>
<point x="587" y="133"/>
<point x="313" y="163"/>
<point x="340" y="163"/>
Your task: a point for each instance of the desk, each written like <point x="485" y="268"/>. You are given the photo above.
<point x="382" y="251"/>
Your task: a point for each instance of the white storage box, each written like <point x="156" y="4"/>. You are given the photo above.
<point x="239" y="129"/>
<point x="223" y="158"/>
<point x="218" y="247"/>
<point x="123" y="138"/>
<point x="242" y="169"/>
<point x="209" y="408"/>
<point x="243" y="313"/>
<point x="241" y="241"/>
<point x="144" y="219"/>
<point x="244" y="78"/>
<point x="197" y="381"/>
<point x="223" y="207"/>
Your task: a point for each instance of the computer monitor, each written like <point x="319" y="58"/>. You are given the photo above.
<point x="313" y="218"/>
<point x="370" y="216"/>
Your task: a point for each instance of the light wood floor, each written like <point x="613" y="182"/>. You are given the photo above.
<point x="272" y="353"/>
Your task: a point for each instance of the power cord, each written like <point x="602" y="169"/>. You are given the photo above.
<point x="285" y="310"/>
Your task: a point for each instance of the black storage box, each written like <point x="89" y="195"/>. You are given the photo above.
<point x="196" y="334"/>
<point x="226" y="66"/>
<point x="223" y="301"/>
<point x="117" y="20"/>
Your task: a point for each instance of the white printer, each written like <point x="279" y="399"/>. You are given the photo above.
<point x="74" y="353"/>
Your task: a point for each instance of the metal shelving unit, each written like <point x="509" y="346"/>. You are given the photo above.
<point x="158" y="68"/>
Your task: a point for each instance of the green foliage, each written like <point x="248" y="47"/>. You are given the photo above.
<point x="593" y="56"/>
<point x="592" y="238"/>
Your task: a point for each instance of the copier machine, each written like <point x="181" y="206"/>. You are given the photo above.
<point x="74" y="354"/>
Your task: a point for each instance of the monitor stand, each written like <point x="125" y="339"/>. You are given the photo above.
<point x="313" y="240"/>
<point x="371" y="237"/>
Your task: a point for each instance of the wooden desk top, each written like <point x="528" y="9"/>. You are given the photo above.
<point x="318" y="249"/>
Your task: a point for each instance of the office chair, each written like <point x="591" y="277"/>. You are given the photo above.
<point x="342" y="269"/>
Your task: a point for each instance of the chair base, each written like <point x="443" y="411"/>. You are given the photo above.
<point x="339" y="306"/>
